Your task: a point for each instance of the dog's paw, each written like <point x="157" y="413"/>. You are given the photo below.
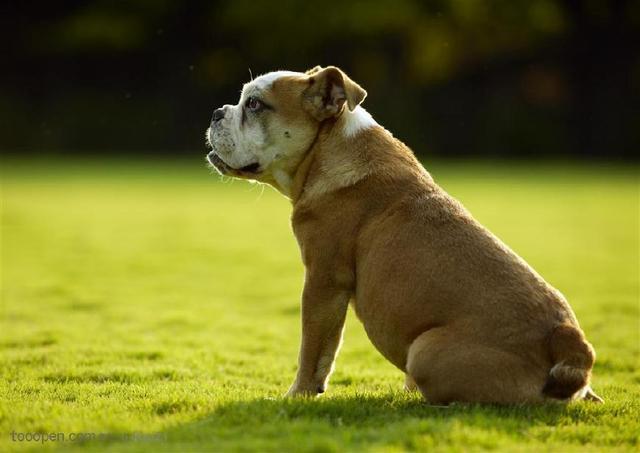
<point x="409" y="384"/>
<point x="304" y="391"/>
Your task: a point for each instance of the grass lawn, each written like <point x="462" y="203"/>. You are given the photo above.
<point x="152" y="297"/>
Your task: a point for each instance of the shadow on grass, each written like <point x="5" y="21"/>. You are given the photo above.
<point x="356" y="423"/>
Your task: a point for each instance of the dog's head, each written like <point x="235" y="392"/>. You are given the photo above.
<point x="266" y="135"/>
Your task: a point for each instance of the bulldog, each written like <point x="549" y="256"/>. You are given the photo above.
<point x="443" y="299"/>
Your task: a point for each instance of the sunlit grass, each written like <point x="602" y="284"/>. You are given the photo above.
<point x="152" y="297"/>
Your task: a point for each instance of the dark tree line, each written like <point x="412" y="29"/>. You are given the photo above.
<point x="451" y="78"/>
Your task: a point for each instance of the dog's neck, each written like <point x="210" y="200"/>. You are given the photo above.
<point x="333" y="161"/>
<point x="343" y="154"/>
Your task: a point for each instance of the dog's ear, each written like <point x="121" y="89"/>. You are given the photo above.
<point x="329" y="90"/>
<point x="313" y="70"/>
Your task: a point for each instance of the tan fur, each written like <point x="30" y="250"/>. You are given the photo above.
<point x="329" y="89"/>
<point x="439" y="296"/>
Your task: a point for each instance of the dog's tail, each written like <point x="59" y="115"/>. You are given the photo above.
<point x="573" y="358"/>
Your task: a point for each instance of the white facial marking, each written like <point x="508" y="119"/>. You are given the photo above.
<point x="266" y="80"/>
<point x="263" y="137"/>
<point x="357" y="121"/>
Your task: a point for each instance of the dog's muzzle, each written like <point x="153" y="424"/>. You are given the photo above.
<point x="218" y="163"/>
<point x="223" y="168"/>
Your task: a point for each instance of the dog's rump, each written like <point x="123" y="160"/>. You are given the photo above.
<point x="573" y="359"/>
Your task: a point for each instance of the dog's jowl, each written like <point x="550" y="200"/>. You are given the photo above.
<point x="439" y="295"/>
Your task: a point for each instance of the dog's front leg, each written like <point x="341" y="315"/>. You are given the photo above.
<point x="323" y="313"/>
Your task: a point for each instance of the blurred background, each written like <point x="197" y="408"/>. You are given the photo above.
<point x="466" y="78"/>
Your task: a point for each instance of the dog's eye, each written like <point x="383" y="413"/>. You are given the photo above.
<point x="254" y="104"/>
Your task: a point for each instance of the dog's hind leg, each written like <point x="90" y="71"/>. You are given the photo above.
<point x="590" y="395"/>
<point x="447" y="367"/>
<point x="409" y="384"/>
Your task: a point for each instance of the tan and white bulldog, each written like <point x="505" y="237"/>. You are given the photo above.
<point x="441" y="297"/>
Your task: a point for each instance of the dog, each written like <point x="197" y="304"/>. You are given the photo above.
<point x="440" y="296"/>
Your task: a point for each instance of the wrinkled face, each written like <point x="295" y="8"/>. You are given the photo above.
<point x="266" y="134"/>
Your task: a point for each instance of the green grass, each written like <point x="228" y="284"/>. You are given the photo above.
<point x="151" y="297"/>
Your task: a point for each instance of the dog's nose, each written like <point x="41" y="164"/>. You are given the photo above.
<point x="218" y="114"/>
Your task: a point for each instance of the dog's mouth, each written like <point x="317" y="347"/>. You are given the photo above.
<point x="224" y="168"/>
<point x="251" y="168"/>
